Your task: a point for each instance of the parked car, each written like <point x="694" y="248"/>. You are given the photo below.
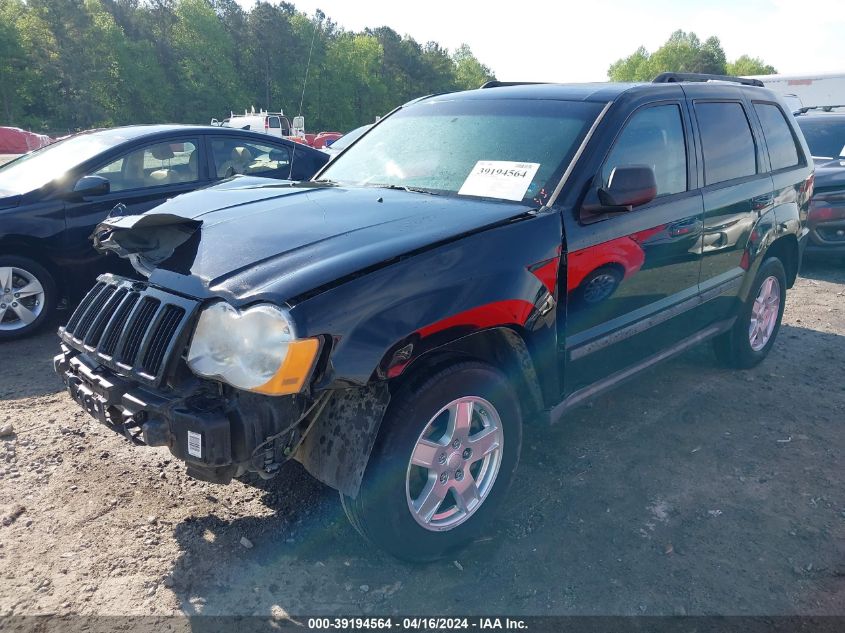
<point x="325" y="139"/>
<point x="346" y="140"/>
<point x="393" y="323"/>
<point x="14" y="140"/>
<point x="51" y="200"/>
<point x="824" y="129"/>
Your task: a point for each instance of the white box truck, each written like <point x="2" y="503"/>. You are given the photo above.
<point x="820" y="89"/>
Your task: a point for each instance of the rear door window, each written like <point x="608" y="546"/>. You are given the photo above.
<point x="726" y="140"/>
<point x="780" y="142"/>
<point x="241" y="156"/>
<point x="273" y="122"/>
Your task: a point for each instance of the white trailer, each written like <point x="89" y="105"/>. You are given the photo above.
<point x="820" y="89"/>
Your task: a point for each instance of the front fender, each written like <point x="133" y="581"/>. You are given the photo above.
<point x="479" y="281"/>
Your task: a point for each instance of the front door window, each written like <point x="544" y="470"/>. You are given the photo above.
<point x="164" y="163"/>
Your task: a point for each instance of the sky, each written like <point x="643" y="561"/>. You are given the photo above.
<point x="529" y="40"/>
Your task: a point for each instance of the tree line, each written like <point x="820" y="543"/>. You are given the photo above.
<point x="685" y="53"/>
<point x="67" y="65"/>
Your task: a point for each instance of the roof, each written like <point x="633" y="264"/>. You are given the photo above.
<point x="131" y="132"/>
<point x="598" y="92"/>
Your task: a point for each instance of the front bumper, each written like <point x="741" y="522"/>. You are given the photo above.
<point x="215" y="436"/>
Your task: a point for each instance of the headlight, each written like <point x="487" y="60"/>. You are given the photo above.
<point x="254" y="349"/>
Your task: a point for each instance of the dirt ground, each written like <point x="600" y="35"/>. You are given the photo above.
<point x="692" y="490"/>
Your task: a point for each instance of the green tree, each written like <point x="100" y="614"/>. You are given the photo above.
<point x="745" y="65"/>
<point x="469" y="72"/>
<point x="204" y="53"/>
<point x="682" y="52"/>
<point x="12" y="61"/>
<point x="73" y="64"/>
<point x="635" y="67"/>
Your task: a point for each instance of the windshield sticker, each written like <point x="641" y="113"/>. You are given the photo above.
<point x="503" y="179"/>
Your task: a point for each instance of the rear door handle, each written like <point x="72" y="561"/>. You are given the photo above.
<point x="761" y="202"/>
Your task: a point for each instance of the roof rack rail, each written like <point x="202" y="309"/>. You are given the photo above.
<point x="823" y="108"/>
<point x="668" y="78"/>
<point x="498" y="84"/>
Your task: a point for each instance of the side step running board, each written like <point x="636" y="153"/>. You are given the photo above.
<point x="581" y="396"/>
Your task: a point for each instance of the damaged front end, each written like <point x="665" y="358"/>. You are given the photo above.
<point x="145" y="240"/>
<point x="123" y="360"/>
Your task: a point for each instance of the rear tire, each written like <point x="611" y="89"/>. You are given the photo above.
<point x="751" y="338"/>
<point x="31" y="298"/>
<point x="465" y="424"/>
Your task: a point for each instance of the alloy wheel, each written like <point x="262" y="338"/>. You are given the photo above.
<point x="764" y="313"/>
<point x="454" y="463"/>
<point x="21" y="298"/>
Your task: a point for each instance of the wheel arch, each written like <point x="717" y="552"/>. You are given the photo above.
<point x="32" y="249"/>
<point x="785" y="248"/>
<point x="502" y="347"/>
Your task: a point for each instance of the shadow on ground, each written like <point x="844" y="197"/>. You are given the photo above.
<point x="821" y="268"/>
<point x="35" y="377"/>
<point x="692" y="489"/>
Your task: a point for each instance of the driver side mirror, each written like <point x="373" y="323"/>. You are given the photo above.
<point x="629" y="186"/>
<point x="91" y="186"/>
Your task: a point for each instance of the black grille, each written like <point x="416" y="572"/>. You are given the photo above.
<point x="129" y="327"/>
<point x="95" y="333"/>
<point x="115" y="328"/>
<point x="169" y="320"/>
<point x="83" y="307"/>
<point x="137" y="330"/>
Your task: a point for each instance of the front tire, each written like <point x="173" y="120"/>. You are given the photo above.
<point x="751" y="338"/>
<point x="28" y="296"/>
<point x="600" y="284"/>
<point x="442" y="463"/>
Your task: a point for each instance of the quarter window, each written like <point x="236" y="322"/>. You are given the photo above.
<point x="779" y="140"/>
<point x="729" y="150"/>
<point x="654" y="137"/>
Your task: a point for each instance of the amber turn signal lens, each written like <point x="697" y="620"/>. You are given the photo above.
<point x="294" y="370"/>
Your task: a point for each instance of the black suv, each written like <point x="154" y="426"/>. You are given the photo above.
<point x="824" y="130"/>
<point x="474" y="261"/>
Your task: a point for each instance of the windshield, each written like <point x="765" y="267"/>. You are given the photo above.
<point x="514" y="149"/>
<point x="826" y="137"/>
<point x="34" y="170"/>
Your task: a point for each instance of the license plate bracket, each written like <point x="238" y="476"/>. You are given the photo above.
<point x="93" y="403"/>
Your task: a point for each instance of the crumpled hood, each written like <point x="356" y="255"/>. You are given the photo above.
<point x="830" y="175"/>
<point x="9" y="200"/>
<point x="251" y="237"/>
